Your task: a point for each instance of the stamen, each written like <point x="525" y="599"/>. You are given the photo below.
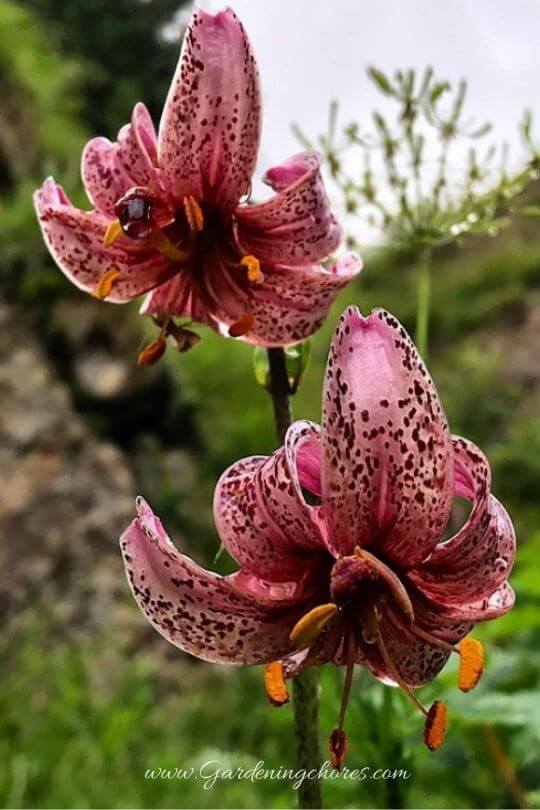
<point x="104" y="286"/>
<point x="436" y="717"/>
<point x="152" y="352"/>
<point x="242" y="326"/>
<point x="253" y="267"/>
<point x="397" y="588"/>
<point x="306" y="629"/>
<point x="274" y="684"/>
<point x="194" y="214"/>
<point x="435" y="725"/>
<point x="114" y="230"/>
<point x="471" y="664"/>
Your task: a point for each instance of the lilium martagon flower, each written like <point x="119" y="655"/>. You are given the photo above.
<point x="170" y="218"/>
<point x="339" y="538"/>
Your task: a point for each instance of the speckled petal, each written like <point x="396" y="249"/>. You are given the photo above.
<point x="260" y="512"/>
<point x="75" y="241"/>
<point x="478" y="559"/>
<point x="387" y="467"/>
<point x="209" y="132"/>
<point x="482" y="610"/>
<point x="179" y="298"/>
<point x="417" y="661"/>
<point x="291" y="303"/>
<point x="296" y="227"/>
<point x="202" y="613"/>
<point x="110" y="169"/>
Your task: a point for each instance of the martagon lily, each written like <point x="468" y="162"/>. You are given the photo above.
<point x="339" y="538"/>
<point x="168" y="219"/>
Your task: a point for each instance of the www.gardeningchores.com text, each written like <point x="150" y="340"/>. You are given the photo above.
<point x="211" y="772"/>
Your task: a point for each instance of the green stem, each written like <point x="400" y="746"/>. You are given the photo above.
<point x="423" y="302"/>
<point x="305" y="685"/>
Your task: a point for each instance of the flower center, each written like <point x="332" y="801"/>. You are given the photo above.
<point x="361" y="585"/>
<point x="197" y="240"/>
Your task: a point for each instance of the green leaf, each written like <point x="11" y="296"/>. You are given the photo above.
<point x="437" y="91"/>
<point x="380" y="80"/>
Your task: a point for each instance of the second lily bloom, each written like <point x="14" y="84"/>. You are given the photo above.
<point x="168" y="218"/>
<point x="339" y="538"/>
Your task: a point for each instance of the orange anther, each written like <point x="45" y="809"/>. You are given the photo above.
<point x="253" y="267"/>
<point x="435" y="725"/>
<point x="152" y="352"/>
<point x="306" y="629"/>
<point x="243" y="325"/>
<point x="194" y="214"/>
<point x="338" y="745"/>
<point x="274" y="683"/>
<point x="104" y="285"/>
<point x="114" y="230"/>
<point x="471" y="663"/>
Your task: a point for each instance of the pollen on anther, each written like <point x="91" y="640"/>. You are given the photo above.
<point x="242" y="326"/>
<point x="104" y="286"/>
<point x="152" y="352"/>
<point x="471" y="663"/>
<point x="194" y="214"/>
<point x="113" y="231"/>
<point x="435" y="725"/>
<point x="338" y="745"/>
<point x="274" y="684"/>
<point x="253" y="267"/>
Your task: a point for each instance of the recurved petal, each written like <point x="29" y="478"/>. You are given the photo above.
<point x="75" y="241"/>
<point x="110" y="169"/>
<point x="481" y="610"/>
<point x="291" y="303"/>
<point x="210" y="128"/>
<point x="104" y="178"/>
<point x="296" y="227"/>
<point x="137" y="152"/>
<point x="476" y="561"/>
<point x="387" y="471"/>
<point x="416" y="660"/>
<point x="260" y="512"/>
<point x="202" y="613"/>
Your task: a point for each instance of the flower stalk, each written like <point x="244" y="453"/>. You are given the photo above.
<point x="423" y="302"/>
<point x="305" y="684"/>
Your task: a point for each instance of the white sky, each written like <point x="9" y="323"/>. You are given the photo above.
<point x="310" y="51"/>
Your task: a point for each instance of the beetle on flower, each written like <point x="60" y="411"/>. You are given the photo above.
<point x="339" y="536"/>
<point x="167" y="218"/>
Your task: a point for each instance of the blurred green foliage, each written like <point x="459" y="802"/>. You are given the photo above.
<point x="82" y="718"/>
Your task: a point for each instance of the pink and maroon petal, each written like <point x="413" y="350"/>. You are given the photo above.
<point x="75" y="241"/>
<point x="110" y="169"/>
<point x="387" y="468"/>
<point x="104" y="178"/>
<point x="210" y="129"/>
<point x="481" y="610"/>
<point x="416" y="660"/>
<point x="474" y="563"/>
<point x="290" y="304"/>
<point x="261" y="515"/>
<point x="296" y="227"/>
<point x="202" y="613"/>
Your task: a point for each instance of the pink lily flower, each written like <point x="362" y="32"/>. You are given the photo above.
<point x="339" y="538"/>
<point x="168" y="219"/>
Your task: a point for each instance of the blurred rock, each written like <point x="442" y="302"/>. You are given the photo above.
<point x="66" y="495"/>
